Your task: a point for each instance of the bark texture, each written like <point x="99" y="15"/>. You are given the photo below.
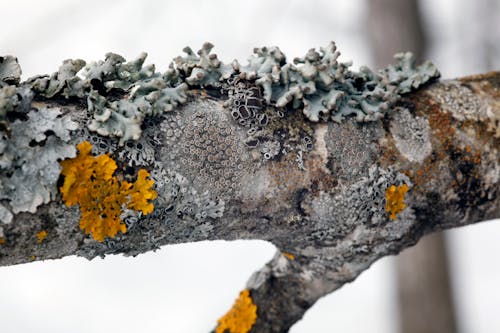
<point x="357" y="191"/>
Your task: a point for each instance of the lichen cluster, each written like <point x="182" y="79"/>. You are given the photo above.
<point x="28" y="159"/>
<point x="90" y="183"/>
<point x="11" y="97"/>
<point x="31" y="142"/>
<point x="241" y="317"/>
<point x="124" y="100"/>
<point x="411" y="135"/>
<point x="119" y="95"/>
<point x="205" y="147"/>
<point x="364" y="202"/>
<point x="178" y="198"/>
<point x="41" y="235"/>
<point x="268" y="131"/>
<point x="394" y="197"/>
<point x="318" y="84"/>
<point x="142" y="91"/>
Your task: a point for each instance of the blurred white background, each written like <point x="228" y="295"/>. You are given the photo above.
<point x="186" y="288"/>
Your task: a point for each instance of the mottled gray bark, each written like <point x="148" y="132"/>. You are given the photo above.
<point x="425" y="294"/>
<point x="323" y="198"/>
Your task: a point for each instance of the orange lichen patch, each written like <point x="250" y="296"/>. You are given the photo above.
<point x="2" y="241"/>
<point x="394" y="200"/>
<point x="289" y="256"/>
<point x="241" y="317"/>
<point x="476" y="159"/>
<point x="40" y="236"/>
<point x="89" y="182"/>
<point x="141" y="193"/>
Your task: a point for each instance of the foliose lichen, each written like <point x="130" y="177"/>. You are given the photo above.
<point x="204" y="69"/>
<point x="119" y="94"/>
<point x="41" y="235"/>
<point x="10" y="71"/>
<point x="394" y="199"/>
<point x="326" y="89"/>
<point x="241" y="317"/>
<point x="12" y="97"/>
<point x="90" y="183"/>
<point x="406" y="76"/>
<point x="29" y="166"/>
<point x="142" y="92"/>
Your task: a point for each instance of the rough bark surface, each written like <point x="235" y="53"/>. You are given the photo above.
<point x="328" y="209"/>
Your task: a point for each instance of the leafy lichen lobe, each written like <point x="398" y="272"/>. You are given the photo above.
<point x="102" y="197"/>
<point x="394" y="196"/>
<point x="241" y="317"/>
<point x="40" y="236"/>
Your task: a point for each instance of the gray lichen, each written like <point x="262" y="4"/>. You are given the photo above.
<point x="411" y="135"/>
<point x="270" y="149"/>
<point x="10" y="71"/>
<point x="12" y="97"/>
<point x="352" y="147"/>
<point x="143" y="92"/>
<point x="204" y="69"/>
<point x="178" y="198"/>
<point x="360" y="203"/>
<point x="63" y="81"/>
<point x="462" y="103"/>
<point x="8" y="102"/>
<point x="29" y="158"/>
<point x="406" y="76"/>
<point x="325" y="88"/>
<point x="206" y="147"/>
<point x="318" y="84"/>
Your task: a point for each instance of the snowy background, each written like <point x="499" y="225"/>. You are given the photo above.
<point x="186" y="288"/>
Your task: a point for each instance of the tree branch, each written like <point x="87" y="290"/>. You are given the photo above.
<point x="333" y="196"/>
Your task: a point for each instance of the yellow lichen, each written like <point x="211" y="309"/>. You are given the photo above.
<point x="89" y="182"/>
<point x="2" y="241"/>
<point x="394" y="200"/>
<point x="289" y="256"/>
<point x="241" y="317"/>
<point x="40" y="236"/>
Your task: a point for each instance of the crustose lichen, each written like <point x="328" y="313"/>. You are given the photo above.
<point x="90" y="183"/>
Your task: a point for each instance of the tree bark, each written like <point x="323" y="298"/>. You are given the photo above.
<point x="356" y="192"/>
